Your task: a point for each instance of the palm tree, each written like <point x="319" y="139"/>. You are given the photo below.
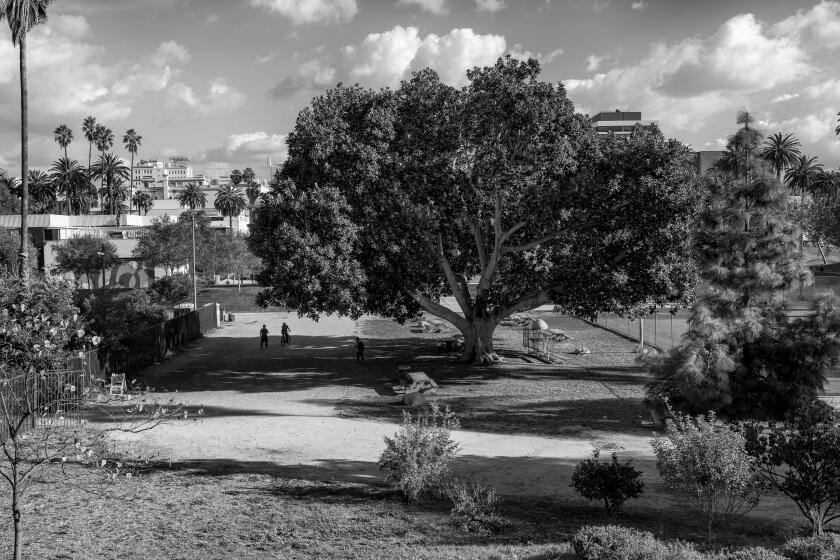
<point x="111" y="170"/>
<point x="253" y="194"/>
<point x="230" y="202"/>
<point x="116" y="194"/>
<point x="192" y="197"/>
<point x="801" y="175"/>
<point x="63" y="136"/>
<point x="729" y="163"/>
<point x="235" y="177"/>
<point x="104" y="140"/>
<point x="41" y="191"/>
<point x="781" y="152"/>
<point x="132" y="141"/>
<point x="22" y="16"/>
<point x="89" y="130"/>
<point x="69" y="179"/>
<point x="248" y="176"/>
<point x="142" y="201"/>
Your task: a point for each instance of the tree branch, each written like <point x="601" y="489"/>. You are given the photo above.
<point x="479" y="241"/>
<point x="463" y="301"/>
<point x="441" y="311"/>
<point x="526" y="302"/>
<point x="531" y="244"/>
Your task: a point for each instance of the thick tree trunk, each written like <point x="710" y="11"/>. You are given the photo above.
<point x="24" y="160"/>
<point x="478" y="341"/>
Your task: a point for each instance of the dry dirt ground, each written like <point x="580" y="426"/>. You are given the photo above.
<point x="311" y="411"/>
<point x="283" y="462"/>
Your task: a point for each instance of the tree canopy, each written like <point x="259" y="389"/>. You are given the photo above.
<point x="391" y="200"/>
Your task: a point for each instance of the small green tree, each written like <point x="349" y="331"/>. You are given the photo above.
<point x="166" y="244"/>
<point x="172" y="289"/>
<point x="612" y="482"/>
<point x="706" y="462"/>
<point x="800" y="457"/>
<point x="85" y="255"/>
<point x="750" y="257"/>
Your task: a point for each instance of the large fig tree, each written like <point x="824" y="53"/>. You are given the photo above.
<point x="497" y="195"/>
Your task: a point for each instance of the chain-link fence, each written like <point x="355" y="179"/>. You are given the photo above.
<point x="54" y="398"/>
<point x="663" y="329"/>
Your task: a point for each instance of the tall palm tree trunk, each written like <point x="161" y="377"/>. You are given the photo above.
<point x="24" y="160"/>
<point x="90" y="152"/>
<point x="230" y="218"/>
<point x="131" y="185"/>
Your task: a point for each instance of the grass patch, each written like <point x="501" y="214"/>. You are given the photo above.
<point x="182" y="515"/>
<point x="231" y="299"/>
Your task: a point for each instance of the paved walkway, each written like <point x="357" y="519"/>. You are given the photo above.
<point x="279" y="410"/>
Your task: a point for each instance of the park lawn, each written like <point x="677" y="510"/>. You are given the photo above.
<point x="169" y="514"/>
<point x="231" y="299"/>
<point x="175" y="515"/>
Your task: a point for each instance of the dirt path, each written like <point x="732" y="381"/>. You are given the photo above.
<point x="279" y="410"/>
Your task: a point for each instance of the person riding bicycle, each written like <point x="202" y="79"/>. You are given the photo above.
<point x="285" y="339"/>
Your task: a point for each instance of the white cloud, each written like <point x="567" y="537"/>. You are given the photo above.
<point x="383" y="59"/>
<point x="600" y="5"/>
<point x="490" y="5"/>
<point x="822" y="22"/>
<point x="311" y="11"/>
<point x="687" y="82"/>
<point x="593" y="62"/>
<point x="68" y="78"/>
<point x="639" y="5"/>
<point x="784" y="97"/>
<point x="249" y="147"/>
<point x="170" y="52"/>
<point x="437" y="7"/>
<point x="211" y="19"/>
<point x="220" y="97"/>
<point x="520" y="53"/>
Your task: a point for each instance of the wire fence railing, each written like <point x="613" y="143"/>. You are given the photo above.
<point x="147" y="347"/>
<point x="54" y="398"/>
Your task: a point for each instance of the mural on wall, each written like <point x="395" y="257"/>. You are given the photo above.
<point x="127" y="274"/>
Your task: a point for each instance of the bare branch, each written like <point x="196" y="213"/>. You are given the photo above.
<point x="461" y="297"/>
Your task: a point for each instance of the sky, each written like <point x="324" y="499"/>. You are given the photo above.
<point x="223" y="80"/>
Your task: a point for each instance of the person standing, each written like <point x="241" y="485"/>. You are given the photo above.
<point x="285" y="339"/>
<point x="360" y="350"/>
<point x="263" y="337"/>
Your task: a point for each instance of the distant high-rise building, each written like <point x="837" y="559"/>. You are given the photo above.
<point x="619" y="123"/>
<point x="218" y="171"/>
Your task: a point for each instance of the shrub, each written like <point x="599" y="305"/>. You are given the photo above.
<point x="800" y="457"/>
<point x="612" y="542"/>
<point x="753" y="553"/>
<point x="173" y="288"/>
<point x="475" y="506"/>
<point x="417" y="458"/>
<point x="820" y="547"/>
<point x="611" y="482"/>
<point x="706" y="461"/>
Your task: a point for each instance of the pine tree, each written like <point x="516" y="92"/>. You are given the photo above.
<point x="750" y="256"/>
